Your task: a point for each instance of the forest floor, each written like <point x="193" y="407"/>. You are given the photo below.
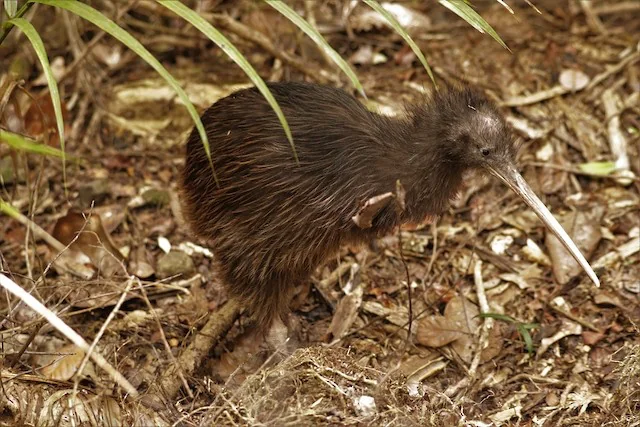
<point x="555" y="350"/>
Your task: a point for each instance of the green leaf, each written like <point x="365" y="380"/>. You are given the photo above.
<point x="598" y="168"/>
<point x="22" y="143"/>
<point x="522" y="328"/>
<point x="11" y="6"/>
<point x="107" y="25"/>
<point x="308" y="29"/>
<point x="8" y="210"/>
<point x="464" y="11"/>
<point x="38" y="46"/>
<point x="220" y="40"/>
<point x="526" y="336"/>
<point x="398" y="28"/>
<point x="529" y="326"/>
<point x="498" y="316"/>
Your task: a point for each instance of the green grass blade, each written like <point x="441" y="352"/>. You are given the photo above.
<point x="398" y="28"/>
<point x="314" y="35"/>
<point x="21" y="143"/>
<point x="8" y="210"/>
<point x="598" y="168"/>
<point x="38" y="46"/>
<point x="11" y="7"/>
<point x="107" y="25"/>
<point x="529" y="326"/>
<point x="522" y="328"/>
<point x="498" y="316"/>
<point x="220" y="40"/>
<point x="526" y="336"/>
<point x="464" y="11"/>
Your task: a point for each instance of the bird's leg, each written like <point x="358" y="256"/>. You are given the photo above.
<point x="277" y="336"/>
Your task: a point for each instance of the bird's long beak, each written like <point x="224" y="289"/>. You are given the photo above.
<point x="508" y="174"/>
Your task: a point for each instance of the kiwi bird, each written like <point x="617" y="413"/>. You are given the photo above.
<point x="271" y="221"/>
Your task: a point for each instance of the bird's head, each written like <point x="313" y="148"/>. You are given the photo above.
<point x="460" y="129"/>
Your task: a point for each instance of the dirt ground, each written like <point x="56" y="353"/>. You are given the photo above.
<point x="554" y="349"/>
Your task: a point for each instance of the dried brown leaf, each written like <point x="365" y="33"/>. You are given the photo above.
<point x="64" y="366"/>
<point x="437" y="331"/>
<point x="584" y="229"/>
<point x="87" y="235"/>
<point x="346" y="313"/>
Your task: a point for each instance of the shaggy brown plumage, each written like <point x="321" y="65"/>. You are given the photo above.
<point x="271" y="222"/>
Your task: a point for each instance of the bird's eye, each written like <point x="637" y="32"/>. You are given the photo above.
<point x="485" y="152"/>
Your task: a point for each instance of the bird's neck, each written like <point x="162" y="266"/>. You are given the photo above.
<point x="431" y="190"/>
<point x="430" y="180"/>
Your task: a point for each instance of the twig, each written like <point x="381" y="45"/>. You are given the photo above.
<point x="570" y="316"/>
<point x="617" y="141"/>
<point x="72" y="335"/>
<point x="400" y="206"/>
<point x="99" y="335"/>
<point x="408" y="278"/>
<point x="322" y="285"/>
<point x="535" y="97"/>
<point x="628" y="60"/>
<point x="620" y="253"/>
<point x="167" y="347"/>
<point x="593" y="21"/>
<point x="13" y="359"/>
<point x="617" y="7"/>
<point x="558" y="90"/>
<point x="487" y="323"/>
<point x="38" y="231"/>
<point x="217" y="325"/>
<point x="94" y="41"/>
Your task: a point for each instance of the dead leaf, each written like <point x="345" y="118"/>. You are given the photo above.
<point x="464" y="315"/>
<point x="584" y="229"/>
<point x="591" y="338"/>
<point x="395" y="314"/>
<point x="437" y="331"/>
<point x="346" y="313"/>
<point x="608" y="299"/>
<point x="40" y="120"/>
<point x="458" y="327"/>
<point x="92" y="240"/>
<point x="245" y="358"/>
<point x="552" y="180"/>
<point x="63" y="366"/>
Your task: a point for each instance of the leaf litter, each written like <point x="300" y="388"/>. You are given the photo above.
<point x="586" y="367"/>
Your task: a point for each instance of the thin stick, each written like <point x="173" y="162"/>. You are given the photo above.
<point x="99" y="335"/>
<point x="217" y="324"/>
<point x="167" y="347"/>
<point x="487" y="324"/>
<point x="67" y="331"/>
<point x="408" y="278"/>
